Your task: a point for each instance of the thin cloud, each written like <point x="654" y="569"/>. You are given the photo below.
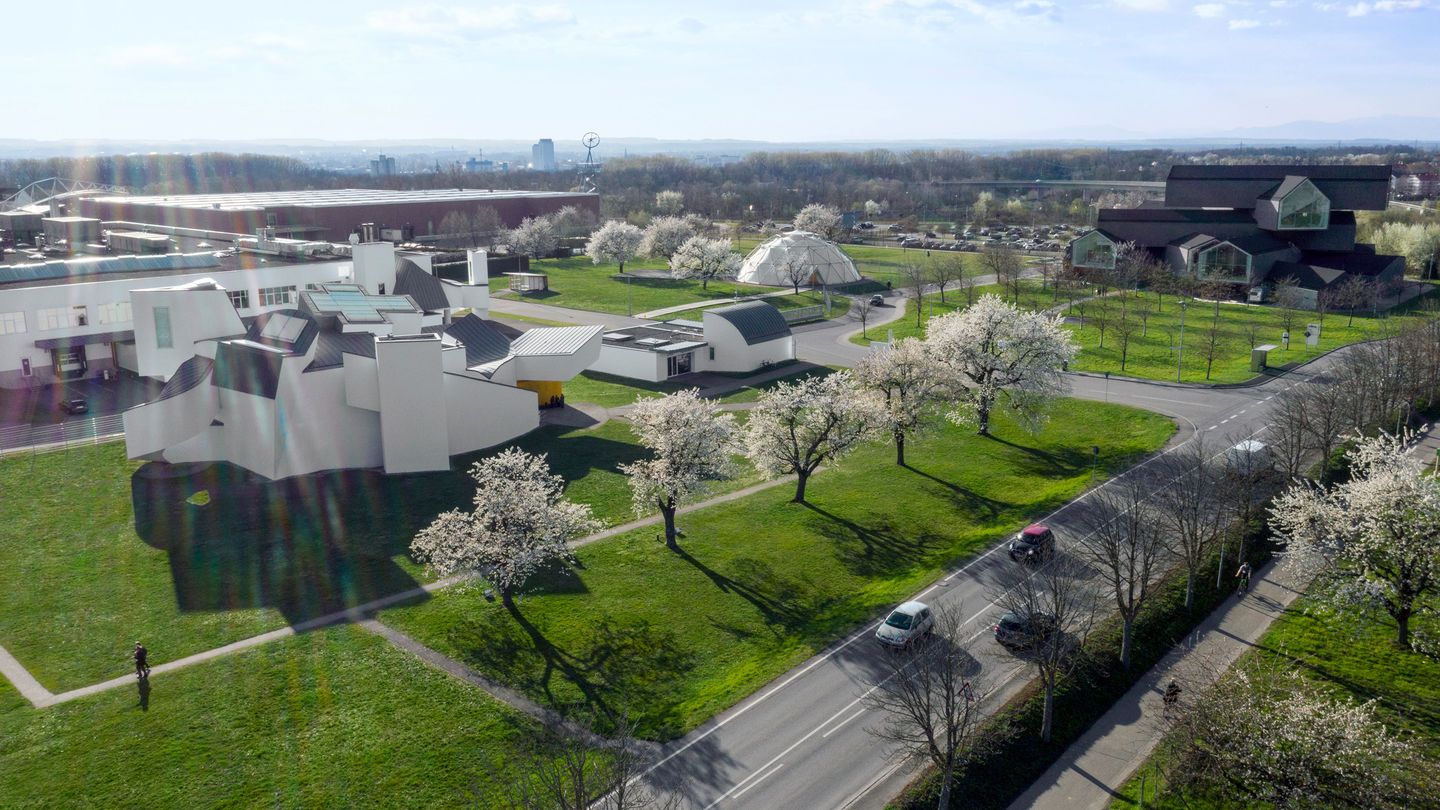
<point x="455" y="23"/>
<point x="1210" y="10"/>
<point x="1241" y="25"/>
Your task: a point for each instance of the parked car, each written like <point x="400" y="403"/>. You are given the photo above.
<point x="1020" y="632"/>
<point x="74" y="405"/>
<point x="877" y="300"/>
<point x="1033" y="543"/>
<point x="905" y="624"/>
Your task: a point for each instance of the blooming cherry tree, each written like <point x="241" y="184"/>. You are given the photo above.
<point x="669" y="203"/>
<point x="909" y="385"/>
<point x="521" y="523"/>
<point x="665" y="235"/>
<point x="796" y="427"/>
<point x="1373" y="537"/>
<point x="818" y="219"/>
<point x="615" y="242"/>
<point x="535" y="237"/>
<point x="692" y="442"/>
<point x="995" y="348"/>
<point x="705" y="258"/>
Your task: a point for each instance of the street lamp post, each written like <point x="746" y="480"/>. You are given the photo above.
<point x="1180" y="355"/>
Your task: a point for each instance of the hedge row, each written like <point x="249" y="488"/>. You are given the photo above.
<point x="1009" y="756"/>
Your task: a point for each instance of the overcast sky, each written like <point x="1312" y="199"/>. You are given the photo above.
<point x="771" y="70"/>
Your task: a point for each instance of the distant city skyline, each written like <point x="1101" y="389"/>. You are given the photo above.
<point x="776" y="71"/>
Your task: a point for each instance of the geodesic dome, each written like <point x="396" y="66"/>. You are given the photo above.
<point x="827" y="262"/>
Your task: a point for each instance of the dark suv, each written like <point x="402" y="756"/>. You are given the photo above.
<point x="1034" y="543"/>
<point x="1021" y="632"/>
<point x="74" y="405"/>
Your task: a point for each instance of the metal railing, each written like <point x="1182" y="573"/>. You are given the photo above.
<point x="803" y="314"/>
<point x="23" y="439"/>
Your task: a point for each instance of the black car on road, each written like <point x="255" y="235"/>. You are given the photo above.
<point x="1020" y="632"/>
<point x="74" y="405"/>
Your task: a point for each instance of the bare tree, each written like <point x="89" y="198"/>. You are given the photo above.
<point x="1057" y="603"/>
<point x="968" y="280"/>
<point x="862" y="310"/>
<point x="930" y="706"/>
<point x="1210" y="344"/>
<point x="1252" y="333"/>
<point x="1190" y="506"/>
<point x="1100" y="316"/>
<point x="1289" y="432"/>
<point x="916" y="277"/>
<point x="1004" y="264"/>
<point x="1125" y="330"/>
<point x="797" y="271"/>
<point x="945" y="271"/>
<point x="1288" y="299"/>
<point x="1122" y="539"/>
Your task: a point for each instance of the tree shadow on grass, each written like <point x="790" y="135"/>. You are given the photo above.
<point x="620" y="667"/>
<point x="967" y="501"/>
<point x="1060" y="463"/>
<point x="788" y="603"/>
<point x="874" y="550"/>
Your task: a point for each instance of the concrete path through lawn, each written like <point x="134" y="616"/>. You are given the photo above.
<point x="1091" y="772"/>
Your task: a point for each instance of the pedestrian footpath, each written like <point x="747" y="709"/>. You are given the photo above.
<point x="1091" y="772"/>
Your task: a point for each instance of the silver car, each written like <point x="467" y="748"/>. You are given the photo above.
<point x="905" y="624"/>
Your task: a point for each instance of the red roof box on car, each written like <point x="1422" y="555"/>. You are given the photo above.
<point x="1035" y="530"/>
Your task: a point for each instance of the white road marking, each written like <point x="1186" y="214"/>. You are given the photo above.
<point x="839" y="724"/>
<point x="758" y="781"/>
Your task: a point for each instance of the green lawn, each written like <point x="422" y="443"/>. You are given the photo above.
<point x="763" y="583"/>
<point x="1351" y="659"/>
<point x="337" y="718"/>
<point x="839" y="305"/>
<point x="612" y="391"/>
<point x="1032" y="296"/>
<point x="123" y="557"/>
<point x="1150" y="354"/>
<point x="578" y="283"/>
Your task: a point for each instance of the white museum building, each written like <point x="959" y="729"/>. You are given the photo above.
<point x="351" y="376"/>
<point x="738" y="338"/>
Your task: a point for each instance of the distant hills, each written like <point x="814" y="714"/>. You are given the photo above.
<point x="1376" y="130"/>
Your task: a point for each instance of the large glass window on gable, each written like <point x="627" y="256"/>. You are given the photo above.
<point x="1305" y="208"/>
<point x="1094" y="250"/>
<point x="1224" y="261"/>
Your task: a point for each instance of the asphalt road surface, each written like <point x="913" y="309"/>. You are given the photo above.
<point x="802" y="741"/>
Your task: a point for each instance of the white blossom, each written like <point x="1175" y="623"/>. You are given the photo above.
<point x="669" y="203"/>
<point x="534" y="236"/>
<point x="796" y="427"/>
<point x="996" y="348"/>
<point x="706" y="259"/>
<point x="615" y="242"/>
<point x="520" y="524"/>
<point x="1373" y="536"/>
<point x="692" y="443"/>
<point x="908" y="383"/>
<point x="665" y="235"/>
<point x="818" y="219"/>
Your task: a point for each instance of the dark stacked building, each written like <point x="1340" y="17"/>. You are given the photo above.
<point x="1253" y="226"/>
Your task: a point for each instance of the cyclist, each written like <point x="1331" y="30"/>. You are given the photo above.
<point x="1242" y="578"/>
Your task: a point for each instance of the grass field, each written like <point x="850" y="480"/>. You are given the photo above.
<point x="1150" y="353"/>
<point x="578" y="283"/>
<point x="336" y="718"/>
<point x="124" y="557"/>
<point x="839" y="305"/>
<point x="762" y="583"/>
<point x="1350" y="660"/>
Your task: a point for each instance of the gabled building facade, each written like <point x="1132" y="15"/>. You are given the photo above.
<point x="1253" y="226"/>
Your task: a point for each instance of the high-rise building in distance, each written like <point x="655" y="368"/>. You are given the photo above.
<point x="542" y="155"/>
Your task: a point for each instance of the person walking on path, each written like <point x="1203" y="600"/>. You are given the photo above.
<point x="142" y="663"/>
<point x="1242" y="578"/>
<point x="1172" y="698"/>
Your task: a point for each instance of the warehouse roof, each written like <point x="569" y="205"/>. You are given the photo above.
<point x="325" y="198"/>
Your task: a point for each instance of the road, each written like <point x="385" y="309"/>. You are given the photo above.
<point x="802" y="741"/>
